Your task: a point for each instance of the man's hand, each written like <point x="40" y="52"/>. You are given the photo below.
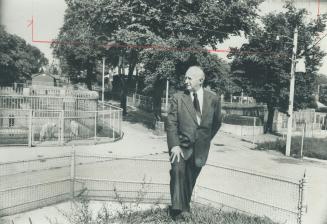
<point x="176" y="151"/>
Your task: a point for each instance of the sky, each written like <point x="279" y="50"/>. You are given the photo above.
<point x="48" y="17"/>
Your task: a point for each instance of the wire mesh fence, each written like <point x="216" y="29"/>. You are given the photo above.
<point x="26" y="185"/>
<point x="249" y="192"/>
<point x="246" y="126"/>
<point x="57" y="127"/>
<point x="48" y="102"/>
<point x="140" y="101"/>
<point x="45" y="115"/>
<point x="14" y="127"/>
<point x="109" y="178"/>
<point x="30" y="184"/>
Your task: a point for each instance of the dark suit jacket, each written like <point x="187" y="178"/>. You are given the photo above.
<point x="183" y="129"/>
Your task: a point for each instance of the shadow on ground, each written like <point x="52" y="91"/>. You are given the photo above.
<point x="139" y="116"/>
<point x="288" y="160"/>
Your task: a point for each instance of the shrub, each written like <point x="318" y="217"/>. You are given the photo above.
<point x="312" y="147"/>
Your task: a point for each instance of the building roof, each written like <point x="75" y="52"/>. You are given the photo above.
<point x="42" y="74"/>
<point x="321" y="105"/>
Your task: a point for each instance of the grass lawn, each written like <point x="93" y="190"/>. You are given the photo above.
<point x="312" y="147"/>
<point x="200" y="214"/>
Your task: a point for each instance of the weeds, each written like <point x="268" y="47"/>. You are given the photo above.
<point x="130" y="212"/>
<point x="200" y="214"/>
<point x="79" y="213"/>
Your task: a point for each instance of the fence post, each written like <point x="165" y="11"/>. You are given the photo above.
<point x="62" y="128"/>
<point x="302" y="199"/>
<point x="133" y="99"/>
<point x="95" y="127"/>
<point x="254" y="119"/>
<point x="195" y="193"/>
<point x="113" y="126"/>
<point x="302" y="140"/>
<point x="120" y="123"/>
<point x="30" y="128"/>
<point x="72" y="172"/>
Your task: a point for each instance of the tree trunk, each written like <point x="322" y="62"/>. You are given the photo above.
<point x="157" y="94"/>
<point x="132" y="64"/>
<point x="88" y="80"/>
<point x="269" y="124"/>
<point x="123" y="94"/>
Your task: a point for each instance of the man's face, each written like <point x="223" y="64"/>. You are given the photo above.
<point x="193" y="81"/>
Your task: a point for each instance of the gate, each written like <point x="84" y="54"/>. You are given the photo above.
<point x="14" y="127"/>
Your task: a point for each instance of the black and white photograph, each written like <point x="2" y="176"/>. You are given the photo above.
<point x="163" y="111"/>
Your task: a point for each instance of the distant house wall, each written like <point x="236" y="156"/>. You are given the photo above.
<point x="43" y="80"/>
<point x="255" y="110"/>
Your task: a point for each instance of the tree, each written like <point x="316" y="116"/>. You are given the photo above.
<point x="262" y="66"/>
<point x="18" y="60"/>
<point x="160" y="26"/>
<point x="322" y="88"/>
<point x="160" y="66"/>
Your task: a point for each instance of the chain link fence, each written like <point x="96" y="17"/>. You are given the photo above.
<point x="27" y="185"/>
<point x="307" y="122"/>
<point x="250" y="192"/>
<point x="58" y="127"/>
<point x="243" y="126"/>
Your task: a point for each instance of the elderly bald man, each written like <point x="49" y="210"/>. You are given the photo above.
<point x="193" y="120"/>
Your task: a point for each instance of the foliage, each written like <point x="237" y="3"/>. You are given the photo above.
<point x="322" y="82"/>
<point x="172" y="64"/>
<point x="160" y="26"/>
<point x="18" y="60"/>
<point x="262" y="66"/>
<point x="312" y="147"/>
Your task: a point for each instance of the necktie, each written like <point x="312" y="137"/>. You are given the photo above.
<point x="196" y="105"/>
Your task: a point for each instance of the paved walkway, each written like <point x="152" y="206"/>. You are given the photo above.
<point x="226" y="149"/>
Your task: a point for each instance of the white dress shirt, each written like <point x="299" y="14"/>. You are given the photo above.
<point x="200" y="98"/>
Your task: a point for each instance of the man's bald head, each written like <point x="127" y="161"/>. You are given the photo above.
<point x="194" y="78"/>
<point x="195" y="71"/>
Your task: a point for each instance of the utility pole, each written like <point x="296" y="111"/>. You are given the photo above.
<point x="291" y="96"/>
<point x="103" y="68"/>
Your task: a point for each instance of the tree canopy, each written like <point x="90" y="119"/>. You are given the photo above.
<point x="18" y="60"/>
<point x="136" y="25"/>
<point x="262" y="66"/>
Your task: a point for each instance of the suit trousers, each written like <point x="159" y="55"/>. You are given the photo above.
<point x="183" y="175"/>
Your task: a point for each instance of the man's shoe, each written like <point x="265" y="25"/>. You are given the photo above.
<point x="174" y="213"/>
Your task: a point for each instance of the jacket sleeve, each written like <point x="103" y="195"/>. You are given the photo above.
<point x="217" y="118"/>
<point x="172" y="124"/>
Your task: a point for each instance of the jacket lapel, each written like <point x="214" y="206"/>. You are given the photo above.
<point x="187" y="100"/>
